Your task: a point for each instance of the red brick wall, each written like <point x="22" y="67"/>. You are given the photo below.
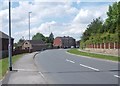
<point x="107" y="45"/>
<point x="103" y="45"/>
<point x="98" y="45"/>
<point x="57" y="42"/>
<point x="111" y="45"/>
<point x="119" y="45"/>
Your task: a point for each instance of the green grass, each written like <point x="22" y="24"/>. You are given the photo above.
<point x="4" y="64"/>
<point x="100" y="56"/>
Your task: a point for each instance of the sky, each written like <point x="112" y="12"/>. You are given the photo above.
<point x="61" y="17"/>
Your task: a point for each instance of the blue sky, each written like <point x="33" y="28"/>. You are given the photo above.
<point x="61" y="18"/>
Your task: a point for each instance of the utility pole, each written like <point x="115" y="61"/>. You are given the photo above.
<point x="9" y="46"/>
<point x="29" y="27"/>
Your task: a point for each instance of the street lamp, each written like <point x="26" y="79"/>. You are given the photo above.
<point x="9" y="46"/>
<point x="29" y="26"/>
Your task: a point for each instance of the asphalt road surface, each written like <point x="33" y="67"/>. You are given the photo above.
<point x="58" y="67"/>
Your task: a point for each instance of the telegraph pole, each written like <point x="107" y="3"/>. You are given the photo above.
<point x="9" y="46"/>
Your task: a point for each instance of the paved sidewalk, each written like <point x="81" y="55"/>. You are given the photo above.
<point x="24" y="72"/>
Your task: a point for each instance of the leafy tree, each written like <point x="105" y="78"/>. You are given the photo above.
<point x="47" y="39"/>
<point x="109" y="31"/>
<point x="51" y="38"/>
<point x="112" y="19"/>
<point x="92" y="29"/>
<point x="21" y="41"/>
<point x="38" y="36"/>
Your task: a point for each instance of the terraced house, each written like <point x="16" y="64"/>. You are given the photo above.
<point x="64" y="42"/>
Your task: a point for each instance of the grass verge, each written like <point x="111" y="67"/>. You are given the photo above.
<point x="100" y="56"/>
<point x="4" y="64"/>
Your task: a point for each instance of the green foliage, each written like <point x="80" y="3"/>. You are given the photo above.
<point x="92" y="29"/>
<point x="39" y="36"/>
<point x="21" y="41"/>
<point x="47" y="39"/>
<point x="112" y="19"/>
<point x="51" y="38"/>
<point x="109" y="31"/>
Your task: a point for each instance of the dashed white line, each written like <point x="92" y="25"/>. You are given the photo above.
<point x="70" y="61"/>
<point x="117" y="76"/>
<point x="89" y="67"/>
<point x="41" y="74"/>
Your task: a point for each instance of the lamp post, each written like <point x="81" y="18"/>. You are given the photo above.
<point x="9" y="46"/>
<point x="29" y="26"/>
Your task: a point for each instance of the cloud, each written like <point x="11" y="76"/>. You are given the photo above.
<point x="86" y="15"/>
<point x="43" y="28"/>
<point x="60" y="18"/>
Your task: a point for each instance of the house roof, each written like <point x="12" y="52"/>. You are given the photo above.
<point x="3" y="35"/>
<point x="65" y="37"/>
<point x="33" y="42"/>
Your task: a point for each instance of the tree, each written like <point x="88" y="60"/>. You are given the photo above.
<point x="38" y="36"/>
<point x="47" y="39"/>
<point x="93" y="28"/>
<point x="112" y="19"/>
<point x="109" y="31"/>
<point x="21" y="40"/>
<point x="51" y="38"/>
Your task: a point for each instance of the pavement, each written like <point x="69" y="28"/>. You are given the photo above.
<point x="24" y="72"/>
<point x="59" y="67"/>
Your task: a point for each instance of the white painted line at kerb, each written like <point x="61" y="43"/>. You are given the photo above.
<point x="70" y="61"/>
<point x="89" y="67"/>
<point x="117" y="76"/>
<point x="41" y="74"/>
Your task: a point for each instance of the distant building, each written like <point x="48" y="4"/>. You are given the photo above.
<point x="78" y="44"/>
<point x="64" y="42"/>
<point x="4" y="42"/>
<point x="34" y="45"/>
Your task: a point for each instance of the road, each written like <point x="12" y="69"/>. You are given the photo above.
<point x="58" y="67"/>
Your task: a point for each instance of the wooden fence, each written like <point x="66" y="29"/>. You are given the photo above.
<point x="4" y="54"/>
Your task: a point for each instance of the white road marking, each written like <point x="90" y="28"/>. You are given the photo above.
<point x="89" y="67"/>
<point x="117" y="76"/>
<point x="70" y="61"/>
<point x="41" y="74"/>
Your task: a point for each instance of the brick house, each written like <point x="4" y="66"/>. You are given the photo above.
<point x="34" y="45"/>
<point x="64" y="42"/>
<point x="4" y="42"/>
